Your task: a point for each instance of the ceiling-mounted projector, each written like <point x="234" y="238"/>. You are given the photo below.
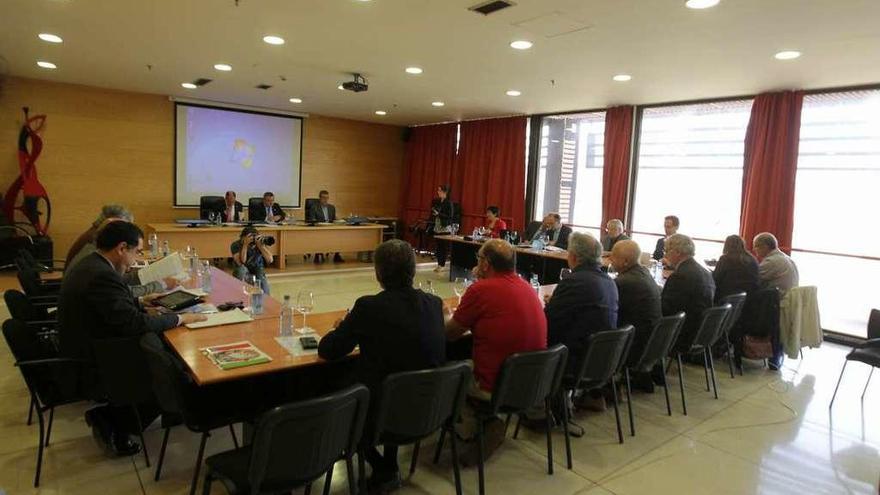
<point x="359" y="84"/>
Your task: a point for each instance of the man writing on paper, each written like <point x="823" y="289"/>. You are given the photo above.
<point x="95" y="303"/>
<point x="269" y="211"/>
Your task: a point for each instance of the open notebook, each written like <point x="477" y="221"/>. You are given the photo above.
<point x="224" y="318"/>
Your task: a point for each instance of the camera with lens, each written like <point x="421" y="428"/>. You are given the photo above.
<point x="267" y="240"/>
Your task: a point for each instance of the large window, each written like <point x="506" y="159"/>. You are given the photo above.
<point x="836" y="241"/>
<point x="570" y="169"/>
<point x="690" y="161"/>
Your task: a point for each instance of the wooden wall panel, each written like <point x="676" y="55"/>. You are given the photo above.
<point x="104" y="146"/>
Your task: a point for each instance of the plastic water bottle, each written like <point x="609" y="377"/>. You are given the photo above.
<point x="194" y="262"/>
<point x="286" y="318"/>
<point x="166" y="250"/>
<point x="207" y="283"/>
<point x="536" y="285"/>
<point x="154" y="245"/>
<point x="256" y="299"/>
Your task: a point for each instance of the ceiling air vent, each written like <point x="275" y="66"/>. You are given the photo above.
<point x="491" y="6"/>
<point x="201" y="81"/>
<point x="263" y="86"/>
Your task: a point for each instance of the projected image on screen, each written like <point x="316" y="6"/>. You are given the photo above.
<point x="249" y="153"/>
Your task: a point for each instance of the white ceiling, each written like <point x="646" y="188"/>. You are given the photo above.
<point x="673" y="53"/>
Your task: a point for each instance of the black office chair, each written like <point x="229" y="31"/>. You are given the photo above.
<point x="531" y="229"/>
<point x="293" y="445"/>
<point x="255" y="209"/>
<point x="604" y="357"/>
<point x="736" y="301"/>
<point x="33" y="285"/>
<point x="208" y="204"/>
<point x="51" y="381"/>
<point x="176" y="400"/>
<point x="415" y="404"/>
<point x="711" y="326"/>
<point x="125" y="377"/>
<point x="657" y="349"/>
<point x="308" y="205"/>
<point x="526" y="380"/>
<point x="867" y="352"/>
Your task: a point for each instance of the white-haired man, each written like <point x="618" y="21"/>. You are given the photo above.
<point x="777" y="269"/>
<point x="690" y="288"/>
<point x="613" y="234"/>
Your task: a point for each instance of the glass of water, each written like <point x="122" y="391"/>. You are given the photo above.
<point x="305" y="303"/>
<point x="459" y="286"/>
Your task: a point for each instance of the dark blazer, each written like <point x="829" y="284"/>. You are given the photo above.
<point x="608" y="242"/>
<point x="396" y="329"/>
<point x="735" y="275"/>
<point x="583" y="303"/>
<point x="639" y="297"/>
<point x="316" y="214"/>
<point x="691" y="289"/>
<point x="221" y="209"/>
<point x="259" y="214"/>
<point x="660" y="249"/>
<point x="447" y="212"/>
<point x="560" y="235"/>
<point x="96" y="303"/>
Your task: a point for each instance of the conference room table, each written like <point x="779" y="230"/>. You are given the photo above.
<point x="261" y="332"/>
<point x="546" y="264"/>
<point x="214" y="241"/>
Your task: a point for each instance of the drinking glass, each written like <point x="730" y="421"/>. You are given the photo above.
<point x="305" y="303"/>
<point x="254" y="291"/>
<point x="212" y="216"/>
<point x="429" y="287"/>
<point x="453" y="228"/>
<point x="564" y="273"/>
<point x="459" y="286"/>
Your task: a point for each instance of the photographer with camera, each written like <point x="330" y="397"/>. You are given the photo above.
<point x="251" y="255"/>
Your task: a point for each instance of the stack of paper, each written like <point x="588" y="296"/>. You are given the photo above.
<point x="169" y="266"/>
<point x="225" y="318"/>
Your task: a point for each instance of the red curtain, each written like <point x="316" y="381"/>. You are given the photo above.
<point x="615" y="173"/>
<point x="490" y="171"/>
<point x="430" y="156"/>
<point x="770" y="167"/>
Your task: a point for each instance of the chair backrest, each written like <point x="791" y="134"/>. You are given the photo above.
<point x="527" y="378"/>
<point x="167" y="383"/>
<point x="208" y="204"/>
<point x="307" y="206"/>
<point x="53" y="381"/>
<point x="531" y="228"/>
<point x="28" y="278"/>
<point x="874" y="324"/>
<point x="660" y="342"/>
<point x="711" y="326"/>
<point x="122" y="367"/>
<point x="604" y="354"/>
<point x="736" y="301"/>
<point x="414" y="404"/>
<point x="298" y="442"/>
<point x="255" y="205"/>
<point x="21" y="308"/>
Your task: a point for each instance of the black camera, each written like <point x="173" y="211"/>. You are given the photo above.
<point x="268" y="240"/>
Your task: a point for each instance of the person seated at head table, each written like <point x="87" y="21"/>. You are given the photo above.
<point x="494" y="224"/>
<point x="399" y="329"/>
<point x="670" y="226"/>
<point x="269" y="211"/>
<point x="613" y="233"/>
<point x="250" y="255"/>
<point x="690" y="288"/>
<point x="231" y="208"/>
<point x="323" y="211"/>
<point x="95" y="303"/>
<point x="736" y="270"/>
<point x="554" y="230"/>
<point x="639" y="304"/>
<point x="504" y="316"/>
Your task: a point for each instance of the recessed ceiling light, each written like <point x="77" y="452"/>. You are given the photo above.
<point x="622" y="77"/>
<point x="438" y="103"/>
<point x="189" y="85"/>
<point x="381" y="112"/>
<point x="521" y="44"/>
<point x="788" y="55"/>
<point x="513" y="92"/>
<point x="46" y="65"/>
<point x="340" y="87"/>
<point x="701" y="4"/>
<point x="223" y="67"/>
<point x="414" y="70"/>
<point x="51" y="38"/>
<point x="273" y="40"/>
<point x="296" y="100"/>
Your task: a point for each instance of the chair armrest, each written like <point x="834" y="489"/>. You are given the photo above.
<point x="40" y="362"/>
<point x="51" y="282"/>
<point x="870" y="343"/>
<point x="42" y="323"/>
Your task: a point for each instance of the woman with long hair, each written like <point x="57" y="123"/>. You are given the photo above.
<point x="442" y="216"/>
<point x="737" y="269"/>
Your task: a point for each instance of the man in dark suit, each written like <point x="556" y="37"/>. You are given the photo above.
<point x="670" y="226"/>
<point x="690" y="288"/>
<point x="95" y="303"/>
<point x="230" y="210"/>
<point x="399" y="329"/>
<point x="269" y="211"/>
<point x="639" y="302"/>
<point x="323" y="211"/>
<point x="556" y="232"/>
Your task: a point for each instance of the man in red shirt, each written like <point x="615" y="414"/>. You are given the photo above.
<point x="505" y="316"/>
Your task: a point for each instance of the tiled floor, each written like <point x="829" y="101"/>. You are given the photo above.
<point x="768" y="433"/>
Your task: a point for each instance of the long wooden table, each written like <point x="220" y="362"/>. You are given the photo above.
<point x="214" y="241"/>
<point x="546" y="264"/>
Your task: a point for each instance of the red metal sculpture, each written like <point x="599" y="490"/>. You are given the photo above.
<point x="26" y="193"/>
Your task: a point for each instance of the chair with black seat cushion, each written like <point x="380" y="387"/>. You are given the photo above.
<point x="255" y="209"/>
<point x="33" y="285"/>
<point x="125" y="378"/>
<point x="867" y="352"/>
<point x="711" y="326"/>
<point x="737" y="302"/>
<point x="527" y="380"/>
<point x="413" y="405"/>
<point x="531" y="229"/>
<point x="51" y="380"/>
<point x="657" y="349"/>
<point x="179" y="403"/>
<point x="294" y="445"/>
<point x="308" y="207"/>
<point x="208" y="204"/>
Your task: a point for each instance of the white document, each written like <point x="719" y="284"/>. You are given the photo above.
<point x="169" y="266"/>
<point x="224" y="318"/>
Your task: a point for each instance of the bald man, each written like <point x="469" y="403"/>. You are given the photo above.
<point x="639" y="297"/>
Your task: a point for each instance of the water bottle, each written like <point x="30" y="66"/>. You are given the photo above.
<point x="536" y="285"/>
<point x="165" y="249"/>
<point x="194" y="262"/>
<point x="286" y="318"/>
<point x="207" y="283"/>
<point x="257" y="299"/>
<point x="154" y="245"/>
